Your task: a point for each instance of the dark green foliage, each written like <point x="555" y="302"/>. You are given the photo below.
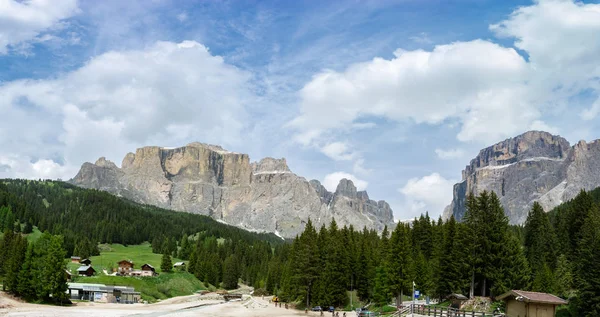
<point x="78" y="213"/>
<point x="166" y="265"/>
<point x="588" y="265"/>
<point x="230" y="273"/>
<point x="34" y="272"/>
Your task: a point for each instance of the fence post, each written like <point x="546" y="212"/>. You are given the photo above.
<point x="434" y="311"/>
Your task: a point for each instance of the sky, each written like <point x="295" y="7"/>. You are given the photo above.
<point x="397" y="96"/>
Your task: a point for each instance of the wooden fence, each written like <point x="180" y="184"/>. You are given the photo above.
<point x="450" y="312"/>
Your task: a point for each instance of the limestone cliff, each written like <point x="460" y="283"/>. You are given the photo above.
<point x="207" y="179"/>
<point x="534" y="166"/>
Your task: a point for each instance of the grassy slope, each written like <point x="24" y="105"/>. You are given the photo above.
<point x="110" y="254"/>
<point x="152" y="288"/>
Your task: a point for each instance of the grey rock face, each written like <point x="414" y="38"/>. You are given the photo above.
<point x="534" y="166"/>
<point x="209" y="180"/>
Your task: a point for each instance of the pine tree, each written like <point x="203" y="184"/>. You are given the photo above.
<point x="26" y="282"/>
<point x="540" y="245"/>
<point x="399" y="262"/>
<point x="588" y="265"/>
<point x="230" y="273"/>
<point x="563" y="276"/>
<point x="166" y="265"/>
<point x="381" y="293"/>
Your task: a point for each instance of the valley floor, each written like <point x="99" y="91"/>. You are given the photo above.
<point x="184" y="306"/>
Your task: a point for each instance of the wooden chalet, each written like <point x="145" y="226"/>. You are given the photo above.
<point x="86" y="270"/>
<point x="125" y="267"/>
<point x="148" y="270"/>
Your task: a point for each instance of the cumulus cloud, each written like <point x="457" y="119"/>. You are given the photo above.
<point x="430" y="193"/>
<point x="449" y="154"/>
<point x="478" y="82"/>
<point x="332" y="180"/>
<point x="338" y="151"/>
<point x="167" y="93"/>
<point x="491" y="91"/>
<point x="23" y="21"/>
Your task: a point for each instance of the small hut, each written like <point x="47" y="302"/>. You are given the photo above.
<point x="179" y="266"/>
<point x="75" y="259"/>
<point x="457" y="300"/>
<point x="85" y="270"/>
<point x="530" y="304"/>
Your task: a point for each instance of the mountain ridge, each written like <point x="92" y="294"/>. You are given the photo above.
<point x="533" y="166"/>
<point x="207" y="179"/>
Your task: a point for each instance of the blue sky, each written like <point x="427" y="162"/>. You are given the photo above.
<point x="397" y="95"/>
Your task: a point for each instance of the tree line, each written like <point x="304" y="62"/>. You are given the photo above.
<point x="556" y="252"/>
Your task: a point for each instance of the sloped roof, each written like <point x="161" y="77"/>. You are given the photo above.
<point x="179" y="264"/>
<point x="84" y="268"/>
<point x="457" y="296"/>
<point x="148" y="265"/>
<point x="534" y="297"/>
<point x="126" y="261"/>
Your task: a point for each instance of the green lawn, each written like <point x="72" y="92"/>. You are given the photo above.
<point x="164" y="286"/>
<point x="110" y="254"/>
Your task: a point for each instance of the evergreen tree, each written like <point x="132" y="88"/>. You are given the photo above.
<point x="26" y="283"/>
<point x="540" y="247"/>
<point x="381" y="292"/>
<point x="399" y="262"/>
<point x="588" y="265"/>
<point x="230" y="273"/>
<point x="166" y="265"/>
<point x="563" y="276"/>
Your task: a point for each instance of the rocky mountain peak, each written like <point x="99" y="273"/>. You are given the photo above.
<point x="103" y="162"/>
<point x="529" y="145"/>
<point x="534" y="166"/>
<point x="270" y="165"/>
<point x="346" y="188"/>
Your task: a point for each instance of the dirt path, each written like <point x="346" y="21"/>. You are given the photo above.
<point x="193" y="305"/>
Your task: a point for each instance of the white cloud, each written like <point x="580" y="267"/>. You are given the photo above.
<point x="332" y="180"/>
<point x="450" y="154"/>
<point x="182" y="17"/>
<point x="592" y="112"/>
<point x="338" y="151"/>
<point x="168" y="93"/>
<point x="421" y="38"/>
<point x="479" y="82"/>
<point x="23" y="21"/>
<point x="22" y="167"/>
<point x="430" y="193"/>
<point x="561" y="39"/>
<point x="359" y="167"/>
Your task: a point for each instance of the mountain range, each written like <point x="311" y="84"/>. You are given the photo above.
<point x="267" y="196"/>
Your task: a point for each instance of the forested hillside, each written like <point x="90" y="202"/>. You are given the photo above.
<point x="91" y="215"/>
<point x="556" y="252"/>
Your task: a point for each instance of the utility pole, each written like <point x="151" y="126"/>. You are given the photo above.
<point x="412" y="308"/>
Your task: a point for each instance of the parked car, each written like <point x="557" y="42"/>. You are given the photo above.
<point x="317" y="308"/>
<point x="331" y="309"/>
